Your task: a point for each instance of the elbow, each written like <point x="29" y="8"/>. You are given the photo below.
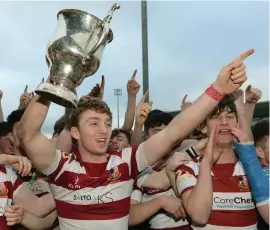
<point x="200" y="220"/>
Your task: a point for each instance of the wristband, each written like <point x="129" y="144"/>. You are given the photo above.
<point x="259" y="182"/>
<point x="213" y="93"/>
<point x="191" y="152"/>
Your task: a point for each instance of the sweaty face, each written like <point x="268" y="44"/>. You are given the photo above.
<point x="6" y="145"/>
<point x="224" y="122"/>
<point x="119" y="142"/>
<point x="94" y="131"/>
<point x="154" y="130"/>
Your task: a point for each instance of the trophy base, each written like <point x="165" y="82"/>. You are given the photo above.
<point x="58" y="95"/>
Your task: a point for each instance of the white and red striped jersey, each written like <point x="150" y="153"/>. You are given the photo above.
<point x="162" y="219"/>
<point x="9" y="182"/>
<point x="233" y="207"/>
<point x="94" y="195"/>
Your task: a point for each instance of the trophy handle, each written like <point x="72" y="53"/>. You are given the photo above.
<point x="106" y="28"/>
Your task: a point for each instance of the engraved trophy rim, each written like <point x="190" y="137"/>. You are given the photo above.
<point x="110" y="34"/>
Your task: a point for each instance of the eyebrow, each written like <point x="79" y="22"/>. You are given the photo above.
<point x="96" y="119"/>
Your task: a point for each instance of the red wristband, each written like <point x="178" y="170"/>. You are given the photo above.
<point x="213" y="93"/>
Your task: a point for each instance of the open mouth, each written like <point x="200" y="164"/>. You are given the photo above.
<point x="225" y="132"/>
<point x="101" y="141"/>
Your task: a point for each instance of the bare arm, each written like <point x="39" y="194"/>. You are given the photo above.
<point x="130" y="113"/>
<point x="64" y="141"/>
<point x="139" y="213"/>
<point x="182" y="125"/>
<point x="38" y="147"/>
<point x="197" y="208"/>
<point x="1" y="110"/>
<point x="156" y="180"/>
<point x="39" y="207"/>
<point x="137" y="135"/>
<point x="35" y="223"/>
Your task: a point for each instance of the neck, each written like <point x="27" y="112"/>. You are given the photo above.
<point x="89" y="157"/>
<point x="227" y="156"/>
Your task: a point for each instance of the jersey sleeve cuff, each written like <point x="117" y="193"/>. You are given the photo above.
<point x="54" y="164"/>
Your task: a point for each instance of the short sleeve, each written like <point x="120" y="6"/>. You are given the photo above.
<point x="136" y="160"/>
<point x="185" y="178"/>
<point x="55" y="168"/>
<point x="137" y="193"/>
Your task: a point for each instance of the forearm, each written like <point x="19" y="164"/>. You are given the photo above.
<point x="1" y="112"/>
<point x="33" y="118"/>
<point x="35" y="223"/>
<point x="137" y="136"/>
<point x="264" y="212"/>
<point x="250" y="108"/>
<point x="4" y="159"/>
<point x="156" y="180"/>
<point x="200" y="209"/>
<point x="171" y="177"/>
<point x="258" y="180"/>
<point x="138" y="213"/>
<point x="130" y="113"/>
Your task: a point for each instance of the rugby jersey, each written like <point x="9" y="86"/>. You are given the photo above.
<point x="233" y="207"/>
<point x="94" y="195"/>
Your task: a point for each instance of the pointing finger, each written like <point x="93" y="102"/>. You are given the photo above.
<point x="134" y="74"/>
<point x="144" y="97"/>
<point x="248" y="89"/>
<point x="244" y="55"/>
<point x="26" y="88"/>
<point x="184" y="99"/>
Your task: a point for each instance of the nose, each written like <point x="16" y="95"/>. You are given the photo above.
<point x="224" y="120"/>
<point x="103" y="129"/>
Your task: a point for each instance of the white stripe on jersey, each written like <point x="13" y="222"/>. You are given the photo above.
<point x="214" y="227"/>
<point x="93" y="195"/>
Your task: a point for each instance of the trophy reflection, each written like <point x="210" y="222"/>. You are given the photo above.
<point x="74" y="53"/>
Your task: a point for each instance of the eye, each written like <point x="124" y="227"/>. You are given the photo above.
<point x="94" y="124"/>
<point x="109" y="125"/>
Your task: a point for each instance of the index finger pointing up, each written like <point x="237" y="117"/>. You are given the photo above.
<point x="134" y="74"/>
<point x="144" y="97"/>
<point x="26" y="88"/>
<point x="184" y="99"/>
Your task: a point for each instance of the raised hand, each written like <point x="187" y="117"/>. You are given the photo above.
<point x="133" y="86"/>
<point x="25" y="98"/>
<point x="212" y="153"/>
<point x="233" y="75"/>
<point x="253" y="95"/>
<point x="14" y="215"/>
<point x="142" y="110"/>
<point x="1" y="94"/>
<point x="185" y="104"/>
<point x="98" y="90"/>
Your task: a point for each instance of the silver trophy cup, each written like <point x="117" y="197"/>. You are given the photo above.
<point x="74" y="53"/>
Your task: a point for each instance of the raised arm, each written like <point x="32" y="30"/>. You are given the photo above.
<point x="253" y="95"/>
<point x="1" y="110"/>
<point x="230" y="78"/>
<point x="38" y="148"/>
<point x="132" y="90"/>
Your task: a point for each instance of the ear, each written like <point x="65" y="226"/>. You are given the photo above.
<point x="260" y="152"/>
<point x="74" y="131"/>
<point x="203" y="129"/>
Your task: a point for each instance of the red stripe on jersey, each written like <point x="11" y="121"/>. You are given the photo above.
<point x="240" y="218"/>
<point x="3" y="223"/>
<point x="187" y="189"/>
<point x="106" y="211"/>
<point x="6" y="190"/>
<point x="185" y="168"/>
<point x="67" y="179"/>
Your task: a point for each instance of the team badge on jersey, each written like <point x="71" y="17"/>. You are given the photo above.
<point x="3" y="190"/>
<point x="182" y="175"/>
<point x="114" y="174"/>
<point x="65" y="155"/>
<point x="243" y="182"/>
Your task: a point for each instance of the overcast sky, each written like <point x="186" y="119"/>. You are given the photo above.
<point x="189" y="42"/>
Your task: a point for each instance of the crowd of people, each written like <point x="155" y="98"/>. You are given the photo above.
<point x="205" y="168"/>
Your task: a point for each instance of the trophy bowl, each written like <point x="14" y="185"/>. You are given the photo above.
<point x="74" y="53"/>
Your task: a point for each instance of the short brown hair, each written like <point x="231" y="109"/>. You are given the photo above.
<point x="227" y="103"/>
<point x="116" y="132"/>
<point x="85" y="103"/>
